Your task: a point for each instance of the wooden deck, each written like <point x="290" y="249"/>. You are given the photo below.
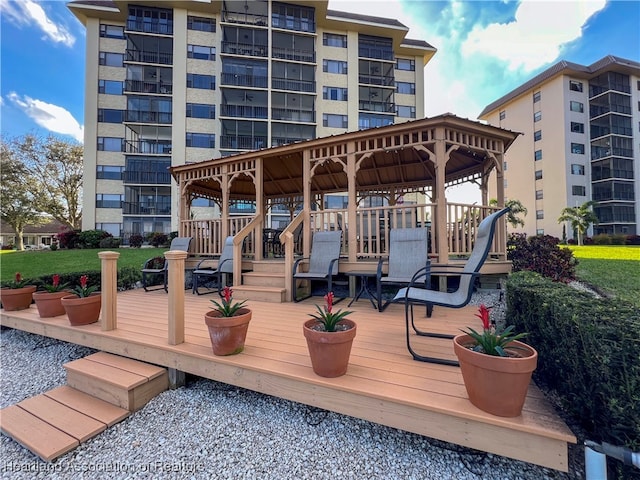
<point x="383" y="384"/>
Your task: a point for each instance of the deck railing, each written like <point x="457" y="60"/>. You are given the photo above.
<point x="207" y="235"/>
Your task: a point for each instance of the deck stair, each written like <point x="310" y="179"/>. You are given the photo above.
<point x="265" y="283"/>
<point x="102" y="390"/>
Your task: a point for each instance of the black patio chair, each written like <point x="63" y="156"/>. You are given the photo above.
<point x="152" y="269"/>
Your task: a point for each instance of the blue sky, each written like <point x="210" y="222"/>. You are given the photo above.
<point x="485" y="49"/>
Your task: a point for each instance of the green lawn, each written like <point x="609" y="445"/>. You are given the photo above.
<point x="614" y="269"/>
<point x="42" y="262"/>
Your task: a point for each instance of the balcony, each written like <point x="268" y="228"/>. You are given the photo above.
<point x="294" y="54"/>
<point x="244" y="111"/>
<point x="245" y="49"/>
<point x="383" y="107"/>
<point x="381" y="80"/>
<point x="147" y="178"/>
<point x="243" y="80"/>
<point x="377" y="53"/>
<point x="149" y="25"/>
<point x="293" y="115"/>
<point x="148" y="147"/>
<point x="289" y="22"/>
<point x="139" y="116"/>
<point x="140" y="86"/>
<point x="145" y="56"/>
<point x="279" y="141"/>
<point x="243" y="142"/>
<point x="244" y="18"/>
<point x="156" y="208"/>
<point x="293" y="85"/>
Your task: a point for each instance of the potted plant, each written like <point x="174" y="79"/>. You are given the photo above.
<point x="329" y="338"/>
<point x="496" y="367"/>
<point x="83" y="306"/>
<point x="228" y="324"/>
<point x="17" y="295"/>
<point x="49" y="302"/>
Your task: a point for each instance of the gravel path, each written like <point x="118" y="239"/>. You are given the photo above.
<point x="211" y="430"/>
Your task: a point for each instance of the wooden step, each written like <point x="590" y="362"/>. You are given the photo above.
<point x="268" y="266"/>
<point x="121" y="381"/>
<point x="263" y="279"/>
<point x="259" y="294"/>
<point x="53" y="423"/>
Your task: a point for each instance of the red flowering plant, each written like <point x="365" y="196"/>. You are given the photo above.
<point x="55" y="285"/>
<point x="83" y="290"/>
<point x="327" y="316"/>
<point x="226" y="307"/>
<point x="17" y="282"/>
<point x="490" y="341"/>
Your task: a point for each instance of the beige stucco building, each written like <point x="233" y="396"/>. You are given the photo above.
<point x="176" y="82"/>
<point x="580" y="142"/>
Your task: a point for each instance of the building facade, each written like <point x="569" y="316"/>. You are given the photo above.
<point x="169" y="83"/>
<point x="580" y="142"/>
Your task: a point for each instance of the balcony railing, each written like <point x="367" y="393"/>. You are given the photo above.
<point x="148" y="87"/>
<point x="148" y="147"/>
<point x="142" y="56"/>
<point x="157" y="208"/>
<point x="293" y="115"/>
<point x="244" y="18"/>
<point x="242" y="80"/>
<point x="148" y="26"/>
<point x="384" y="107"/>
<point x="245" y="49"/>
<point x="382" y="80"/>
<point x="243" y="142"/>
<point x="294" y="85"/>
<point x="297" y="55"/>
<point x="379" y="53"/>
<point x="139" y="116"/>
<point x="243" y="111"/>
<point x="279" y="141"/>
<point x="153" y="178"/>
<point x="290" y="23"/>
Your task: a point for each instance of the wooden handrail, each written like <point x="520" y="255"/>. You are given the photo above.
<point x="288" y="242"/>
<point x="238" y="240"/>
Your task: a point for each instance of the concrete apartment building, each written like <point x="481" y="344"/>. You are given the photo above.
<point x="175" y="82"/>
<point x="580" y="142"/>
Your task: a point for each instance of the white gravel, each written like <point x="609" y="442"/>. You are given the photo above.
<point x="211" y="430"/>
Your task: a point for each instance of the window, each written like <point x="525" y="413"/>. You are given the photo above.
<point x="504" y="166"/>
<point x="576" y="107"/>
<point x="111" y="59"/>
<point x="577" y="148"/>
<point x="334" y="40"/>
<point x="336" y="121"/>
<point x="537" y="135"/>
<point x="537" y="155"/>
<point x="577" y="169"/>
<point x="114" y="229"/>
<point x="536" y="97"/>
<point x="206" y="82"/>
<point x="540" y="231"/>
<point x="110" y="144"/>
<point x="109" y="172"/>
<point x="109" y="200"/>
<point x="406" y="111"/>
<point x="578" y="190"/>
<point x="406" y="88"/>
<point x="334" y="93"/>
<point x="539" y="195"/>
<point x="201" y="110"/>
<point x="503" y="115"/>
<point x="202" y="202"/>
<point x="538" y="174"/>
<point x="406" y="64"/>
<point x="334" y="66"/>
<point x="202" y="24"/>
<point x="201" y="52"/>
<point x="110" y="87"/>
<point x="108" y="115"/>
<point x="539" y="214"/>
<point x="577" y="127"/>
<point x="575" y="86"/>
<point x="537" y="116"/>
<point x="201" y="140"/>
<point x="111" y="31"/>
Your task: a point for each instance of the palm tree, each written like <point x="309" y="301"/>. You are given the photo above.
<point x="516" y="208"/>
<point x="580" y="218"/>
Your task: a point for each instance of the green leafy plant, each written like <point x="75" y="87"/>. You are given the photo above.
<point x="83" y="290"/>
<point x="17" y="282"/>
<point x="55" y="285"/>
<point x="226" y="307"/>
<point x="490" y="342"/>
<point x="327" y="317"/>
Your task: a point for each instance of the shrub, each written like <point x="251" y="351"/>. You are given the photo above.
<point x="92" y="238"/>
<point x="136" y="240"/>
<point x="157" y="239"/>
<point x="110" y="242"/>
<point x="54" y="247"/>
<point x="541" y="254"/>
<point x="128" y="277"/>
<point x="633" y="240"/>
<point x="602" y="239"/>
<point x="618" y="239"/>
<point x="587" y="241"/>
<point x="68" y="239"/>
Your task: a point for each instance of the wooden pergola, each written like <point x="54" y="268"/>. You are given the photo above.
<point x="420" y="158"/>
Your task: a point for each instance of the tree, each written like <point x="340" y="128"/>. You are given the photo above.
<point x="516" y="208"/>
<point x="580" y="218"/>
<point x="57" y="165"/>
<point x="19" y="192"/>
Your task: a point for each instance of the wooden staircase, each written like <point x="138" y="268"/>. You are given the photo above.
<point x="102" y="390"/>
<point x="264" y="284"/>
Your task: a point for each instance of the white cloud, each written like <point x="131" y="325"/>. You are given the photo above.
<point x="52" y="117"/>
<point x="28" y="12"/>
<point x="537" y="34"/>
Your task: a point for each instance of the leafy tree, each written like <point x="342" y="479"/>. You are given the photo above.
<point x="516" y="209"/>
<point x="57" y="165"/>
<point x="19" y="192"/>
<point x="580" y="218"/>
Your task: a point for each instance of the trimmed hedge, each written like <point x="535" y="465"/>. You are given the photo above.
<point x="127" y="278"/>
<point x="589" y="352"/>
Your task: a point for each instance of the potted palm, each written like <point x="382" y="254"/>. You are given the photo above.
<point x="84" y="303"/>
<point x="228" y="324"/>
<point x="496" y="367"/>
<point x="49" y="302"/>
<point x="329" y="338"/>
<point x="17" y="295"/>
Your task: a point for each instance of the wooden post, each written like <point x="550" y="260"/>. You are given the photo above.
<point x="176" y="258"/>
<point x="109" y="290"/>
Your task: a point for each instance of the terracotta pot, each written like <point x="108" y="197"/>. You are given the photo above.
<point x="329" y="351"/>
<point x="49" y="303"/>
<point x="16" y="298"/>
<point x="228" y="334"/>
<point x="497" y="385"/>
<point x="82" y="310"/>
